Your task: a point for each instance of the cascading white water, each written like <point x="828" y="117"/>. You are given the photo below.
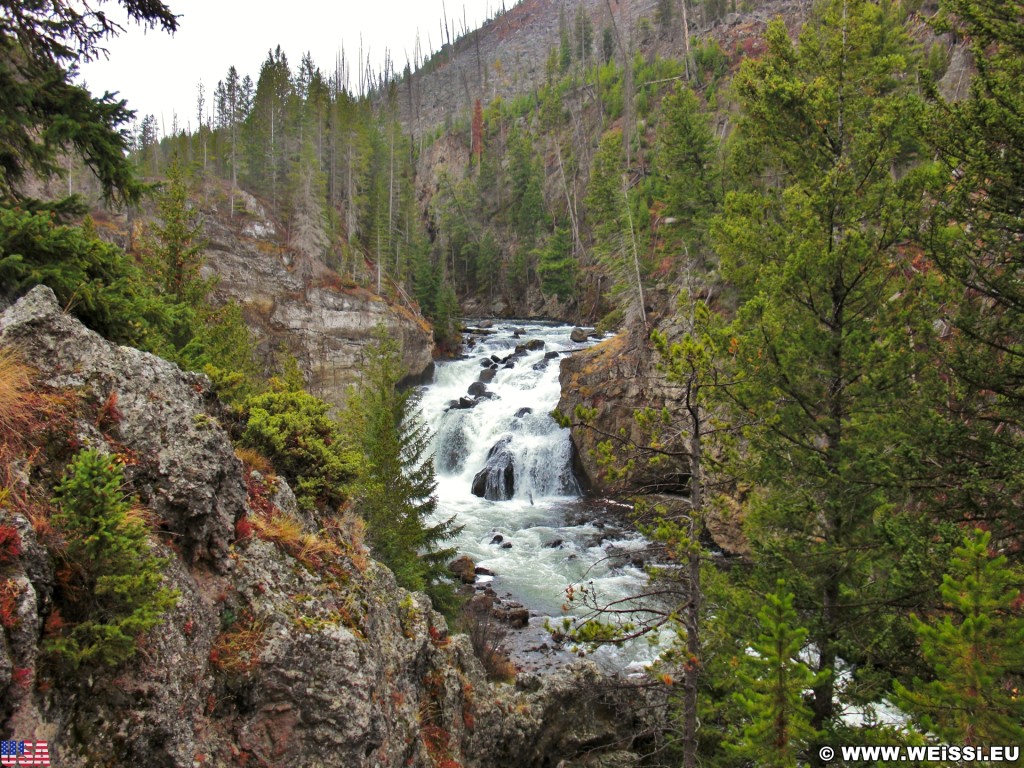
<point x="526" y="539"/>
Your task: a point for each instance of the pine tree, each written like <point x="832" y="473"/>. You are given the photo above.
<point x="616" y="216"/>
<point x="112" y="593"/>
<point x="395" y="491"/>
<point x="686" y="161"/>
<point x="976" y="651"/>
<point x="173" y="250"/>
<point x="976" y="236"/>
<point x="556" y="267"/>
<point x="831" y="340"/>
<point x="777" y="725"/>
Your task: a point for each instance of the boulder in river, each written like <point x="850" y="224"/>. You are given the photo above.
<point x="578" y="335"/>
<point x="497" y="480"/>
<point x="464" y="569"/>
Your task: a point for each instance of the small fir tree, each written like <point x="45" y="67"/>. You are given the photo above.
<point x="976" y="652"/>
<point x="395" y="491"/>
<point x="296" y="432"/>
<point x="110" y="591"/>
<point x="778" y="721"/>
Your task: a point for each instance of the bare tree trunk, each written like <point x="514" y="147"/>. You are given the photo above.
<point x="636" y="251"/>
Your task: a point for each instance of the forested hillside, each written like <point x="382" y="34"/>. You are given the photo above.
<point x="803" y="219"/>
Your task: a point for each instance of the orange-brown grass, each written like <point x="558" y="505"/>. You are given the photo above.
<point x="9" y="594"/>
<point x="238" y="649"/>
<point x="18" y="398"/>
<point x="255" y="460"/>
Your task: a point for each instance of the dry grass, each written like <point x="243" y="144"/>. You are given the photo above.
<point x="238" y="649"/>
<point x="18" y="399"/>
<point x="254" y="460"/>
<point x="279" y="528"/>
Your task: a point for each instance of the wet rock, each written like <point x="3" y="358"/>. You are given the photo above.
<point x="486" y="362"/>
<point x="477" y="389"/>
<point x="551" y="355"/>
<point x="497" y="539"/>
<point x="533" y="345"/>
<point x="523" y="412"/>
<point x="517" y="618"/>
<point x="578" y="335"/>
<point x="510" y="364"/>
<point x="481" y="571"/>
<point x="487" y="375"/>
<point x="464" y="569"/>
<point x="497" y="480"/>
<point x="507" y="545"/>
<point x="555" y="544"/>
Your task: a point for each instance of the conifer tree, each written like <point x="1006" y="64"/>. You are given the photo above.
<point x="830" y="342"/>
<point x="777" y="723"/>
<point x="113" y="592"/>
<point x="976" y="237"/>
<point x="686" y="161"/>
<point x="43" y="113"/>
<point x="395" y="490"/>
<point x="976" y="652"/>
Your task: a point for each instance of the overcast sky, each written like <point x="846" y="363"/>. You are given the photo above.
<point x="158" y="74"/>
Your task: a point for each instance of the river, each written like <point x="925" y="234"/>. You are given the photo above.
<point x="535" y="531"/>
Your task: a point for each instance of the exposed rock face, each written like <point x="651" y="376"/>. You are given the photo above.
<point x="616" y="377"/>
<point x="323" y="319"/>
<point x="275" y="654"/>
<point x="185" y="469"/>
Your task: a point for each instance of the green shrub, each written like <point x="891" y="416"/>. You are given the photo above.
<point x="295" y="431"/>
<point x="110" y="591"/>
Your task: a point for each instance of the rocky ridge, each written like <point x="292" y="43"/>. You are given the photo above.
<point x="293" y="299"/>
<point x="276" y="653"/>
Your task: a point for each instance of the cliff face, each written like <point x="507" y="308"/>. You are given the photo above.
<point x="294" y="300"/>
<point x="283" y="648"/>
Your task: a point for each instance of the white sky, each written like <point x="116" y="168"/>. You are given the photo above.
<point x="158" y="74"/>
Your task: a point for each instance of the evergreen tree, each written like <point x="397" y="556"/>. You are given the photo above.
<point x="43" y="113"/>
<point x="94" y="279"/>
<point x="977" y="239"/>
<point x="831" y="340"/>
<point x="296" y="432"/>
<point x="976" y="651"/>
<point x="526" y="196"/>
<point x="686" y="161"/>
<point x="777" y="721"/>
<point x="113" y="593"/>
<point x="395" y="490"/>
<point x="556" y="267"/>
<point x="616" y="214"/>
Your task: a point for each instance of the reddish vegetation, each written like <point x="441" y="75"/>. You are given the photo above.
<point x="10" y="544"/>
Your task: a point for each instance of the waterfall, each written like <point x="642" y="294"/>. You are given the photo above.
<point x="504" y="470"/>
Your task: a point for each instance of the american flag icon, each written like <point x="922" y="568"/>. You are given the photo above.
<point x="24" y="753"/>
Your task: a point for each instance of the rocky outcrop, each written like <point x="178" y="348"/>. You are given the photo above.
<point x="183" y="466"/>
<point x="294" y="300"/>
<point x="288" y="645"/>
<point x="614" y="379"/>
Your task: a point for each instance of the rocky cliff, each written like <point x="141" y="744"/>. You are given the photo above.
<point x="294" y="300"/>
<point x="288" y="644"/>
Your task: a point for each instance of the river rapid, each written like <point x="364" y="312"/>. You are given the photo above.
<point x="533" y="528"/>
